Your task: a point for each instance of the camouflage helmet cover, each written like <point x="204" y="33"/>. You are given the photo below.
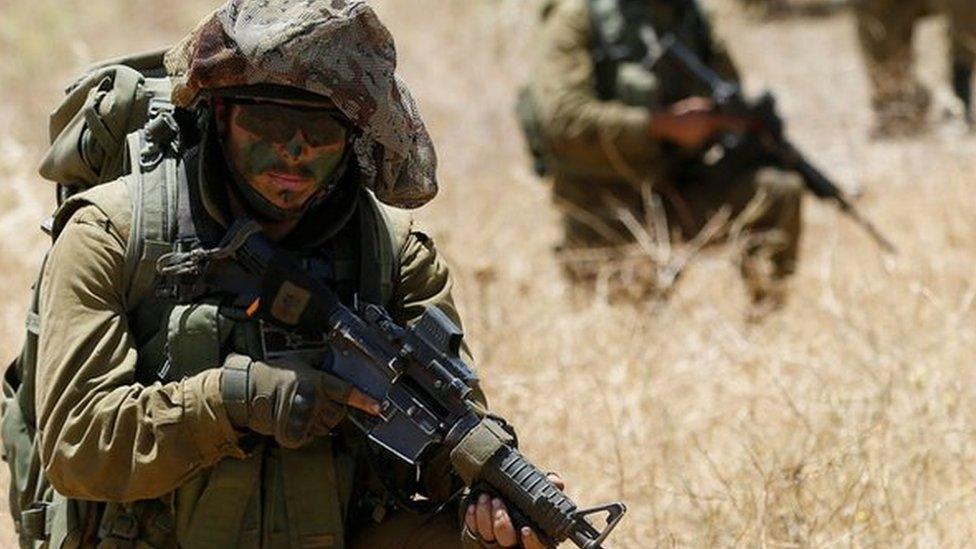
<point x="335" y="48"/>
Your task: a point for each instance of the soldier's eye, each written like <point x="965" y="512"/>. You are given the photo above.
<point x="279" y="124"/>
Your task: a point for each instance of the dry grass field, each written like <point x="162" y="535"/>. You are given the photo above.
<point x="846" y="419"/>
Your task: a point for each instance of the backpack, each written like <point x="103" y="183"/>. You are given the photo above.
<point x="115" y="121"/>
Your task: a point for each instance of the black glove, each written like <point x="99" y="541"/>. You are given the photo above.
<point x="286" y="399"/>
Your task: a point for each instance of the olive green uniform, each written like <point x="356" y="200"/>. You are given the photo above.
<point x="133" y="433"/>
<point x="108" y="433"/>
<point x="596" y="123"/>
<point x="885" y="30"/>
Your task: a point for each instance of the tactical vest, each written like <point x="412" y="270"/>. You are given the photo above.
<point x="275" y="497"/>
<point x="624" y="31"/>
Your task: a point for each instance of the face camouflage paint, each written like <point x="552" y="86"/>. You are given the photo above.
<point x="285" y="154"/>
<point x="261" y="157"/>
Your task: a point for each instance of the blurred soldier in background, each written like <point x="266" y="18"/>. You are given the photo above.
<point x="885" y="30"/>
<point x="615" y="134"/>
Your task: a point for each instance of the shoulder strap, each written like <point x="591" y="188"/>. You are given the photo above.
<point x="153" y="196"/>
<point x="19" y="379"/>
<point x="610" y="45"/>
<point x="153" y="187"/>
<point x="381" y="244"/>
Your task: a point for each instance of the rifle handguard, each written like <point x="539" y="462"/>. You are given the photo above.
<point x="486" y="455"/>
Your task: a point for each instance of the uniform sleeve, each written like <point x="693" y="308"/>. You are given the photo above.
<point x="577" y="123"/>
<point x="103" y="436"/>
<point x="424" y="280"/>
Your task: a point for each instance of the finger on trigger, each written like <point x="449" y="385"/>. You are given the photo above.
<point x="330" y="414"/>
<point x="359" y="399"/>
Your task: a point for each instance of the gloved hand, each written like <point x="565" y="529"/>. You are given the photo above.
<point x="286" y="399"/>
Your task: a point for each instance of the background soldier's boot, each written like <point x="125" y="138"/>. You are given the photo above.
<point x="901" y="110"/>
<point x="962" y="85"/>
<point x="885" y="31"/>
<point x="770" y="224"/>
<point x="765" y="281"/>
<point x="961" y="31"/>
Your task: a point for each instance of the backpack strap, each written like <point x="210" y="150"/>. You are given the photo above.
<point x="608" y="45"/>
<point x="153" y="187"/>
<point x="15" y="376"/>
<point x="383" y="231"/>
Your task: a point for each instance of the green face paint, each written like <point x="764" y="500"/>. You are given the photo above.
<point x="278" y="169"/>
<point x="260" y="157"/>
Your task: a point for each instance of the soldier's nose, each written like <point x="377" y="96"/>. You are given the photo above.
<point x="295" y="147"/>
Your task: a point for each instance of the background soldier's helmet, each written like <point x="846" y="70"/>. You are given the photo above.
<point x="333" y="48"/>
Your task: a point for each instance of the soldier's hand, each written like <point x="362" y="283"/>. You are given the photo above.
<point x="488" y="518"/>
<point x="287" y="399"/>
<point x="692" y="123"/>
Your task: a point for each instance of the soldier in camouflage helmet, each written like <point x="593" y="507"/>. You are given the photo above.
<point x="196" y="429"/>
<point x="885" y="29"/>
<point x="614" y="130"/>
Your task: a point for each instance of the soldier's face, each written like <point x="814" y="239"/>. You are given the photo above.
<point x="285" y="153"/>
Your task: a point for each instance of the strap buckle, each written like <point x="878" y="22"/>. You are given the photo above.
<point x="34" y="523"/>
<point x="161" y="134"/>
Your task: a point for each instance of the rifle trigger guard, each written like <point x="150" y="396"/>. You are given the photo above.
<point x="614" y="511"/>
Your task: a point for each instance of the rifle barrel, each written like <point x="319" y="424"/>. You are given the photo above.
<point x="728" y="98"/>
<point x="822" y="187"/>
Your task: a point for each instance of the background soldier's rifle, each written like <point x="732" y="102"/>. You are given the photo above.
<point x="764" y="143"/>
<point x="425" y="389"/>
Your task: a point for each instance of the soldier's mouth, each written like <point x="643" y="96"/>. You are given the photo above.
<point x="290" y="181"/>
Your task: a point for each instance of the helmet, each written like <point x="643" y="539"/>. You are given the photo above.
<point x="336" y="49"/>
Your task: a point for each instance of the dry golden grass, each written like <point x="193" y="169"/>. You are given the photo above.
<point x="845" y="420"/>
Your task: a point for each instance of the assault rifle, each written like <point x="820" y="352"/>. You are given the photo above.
<point x="765" y="143"/>
<point x="416" y="373"/>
